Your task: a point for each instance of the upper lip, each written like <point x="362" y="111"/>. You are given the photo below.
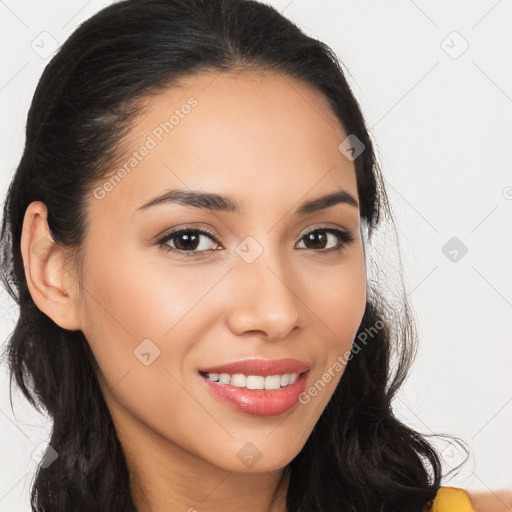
<point x="263" y="367"/>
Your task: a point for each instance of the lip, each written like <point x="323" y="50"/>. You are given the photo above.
<point x="258" y="402"/>
<point x="263" y="367"/>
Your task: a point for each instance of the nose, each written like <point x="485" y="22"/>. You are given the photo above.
<point x="263" y="299"/>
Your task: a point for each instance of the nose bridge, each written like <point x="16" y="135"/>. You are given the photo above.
<point x="264" y="300"/>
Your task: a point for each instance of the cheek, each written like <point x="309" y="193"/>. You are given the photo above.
<point x="142" y="321"/>
<point x="337" y="299"/>
<point x="138" y="305"/>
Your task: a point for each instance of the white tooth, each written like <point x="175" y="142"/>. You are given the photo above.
<point x="224" y="378"/>
<point x="213" y="376"/>
<point x="272" y="382"/>
<point x="285" y="379"/>
<point x="255" y="382"/>
<point x="293" y="377"/>
<point x="239" y="380"/>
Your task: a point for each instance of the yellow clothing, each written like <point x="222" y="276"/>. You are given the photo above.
<point x="452" y="499"/>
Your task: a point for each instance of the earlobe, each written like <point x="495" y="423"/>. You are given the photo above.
<point x="50" y="284"/>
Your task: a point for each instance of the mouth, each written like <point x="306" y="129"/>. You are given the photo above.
<point x="257" y="387"/>
<point x="239" y="380"/>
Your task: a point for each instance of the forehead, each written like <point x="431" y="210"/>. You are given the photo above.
<point x="246" y="134"/>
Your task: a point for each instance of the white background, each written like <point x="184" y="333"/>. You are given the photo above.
<point x="441" y="121"/>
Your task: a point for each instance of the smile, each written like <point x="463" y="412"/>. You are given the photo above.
<point x="240" y="380"/>
<point x="258" y="387"/>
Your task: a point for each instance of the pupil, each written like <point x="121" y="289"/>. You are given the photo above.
<point x="190" y="240"/>
<point x="318" y="235"/>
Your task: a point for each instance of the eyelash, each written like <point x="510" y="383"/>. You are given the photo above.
<point x="344" y="238"/>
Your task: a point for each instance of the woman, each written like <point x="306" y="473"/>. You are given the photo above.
<point x="187" y="235"/>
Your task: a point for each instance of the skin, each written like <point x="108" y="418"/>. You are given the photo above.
<point x="271" y="143"/>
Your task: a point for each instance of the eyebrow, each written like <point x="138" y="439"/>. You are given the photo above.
<point x="217" y="202"/>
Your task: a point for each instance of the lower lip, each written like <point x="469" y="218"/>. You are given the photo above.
<point x="258" y="402"/>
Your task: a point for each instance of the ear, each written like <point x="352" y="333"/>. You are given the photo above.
<point x="52" y="287"/>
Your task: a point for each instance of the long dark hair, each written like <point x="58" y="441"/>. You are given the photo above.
<point x="359" y="456"/>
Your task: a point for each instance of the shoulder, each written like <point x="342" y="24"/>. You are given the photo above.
<point x="451" y="499"/>
<point x="455" y="499"/>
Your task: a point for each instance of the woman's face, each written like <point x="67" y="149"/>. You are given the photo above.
<point x="268" y="283"/>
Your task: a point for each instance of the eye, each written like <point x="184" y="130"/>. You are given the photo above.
<point x="321" y="236"/>
<point x="187" y="241"/>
